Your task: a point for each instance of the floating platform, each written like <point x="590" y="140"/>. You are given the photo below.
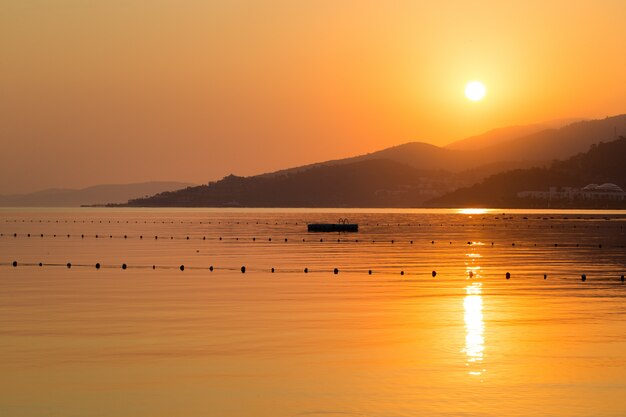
<point x="342" y="226"/>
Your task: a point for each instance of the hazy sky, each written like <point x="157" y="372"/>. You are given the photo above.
<point x="122" y="91"/>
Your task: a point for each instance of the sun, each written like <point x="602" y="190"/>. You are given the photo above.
<point x="475" y="90"/>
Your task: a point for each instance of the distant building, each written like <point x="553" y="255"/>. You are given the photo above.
<point x="606" y="191"/>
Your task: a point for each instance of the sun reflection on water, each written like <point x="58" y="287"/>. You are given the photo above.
<point x="473" y="211"/>
<point x="474" y="323"/>
<point x="474" y="327"/>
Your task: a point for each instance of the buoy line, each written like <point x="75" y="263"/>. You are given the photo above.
<point x="305" y="270"/>
<point x="309" y="239"/>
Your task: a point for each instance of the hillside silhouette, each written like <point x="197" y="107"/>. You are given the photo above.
<point x="511" y="147"/>
<point x="602" y="163"/>
<point x="407" y="175"/>
<point x="372" y="183"/>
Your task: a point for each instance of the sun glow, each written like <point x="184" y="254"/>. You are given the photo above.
<point x="475" y="90"/>
<point x="472" y="211"/>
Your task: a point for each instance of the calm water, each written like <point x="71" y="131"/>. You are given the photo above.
<point x="164" y="342"/>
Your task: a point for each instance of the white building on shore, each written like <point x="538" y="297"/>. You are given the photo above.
<point x="606" y="191"/>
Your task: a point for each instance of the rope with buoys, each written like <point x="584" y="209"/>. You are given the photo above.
<point x="243" y="269"/>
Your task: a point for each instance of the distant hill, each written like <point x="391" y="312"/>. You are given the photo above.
<point x="561" y="143"/>
<point x="504" y="134"/>
<point x="510" y="146"/>
<point x="600" y="164"/>
<point x="96" y="195"/>
<point x="369" y="183"/>
<point x="429" y="172"/>
<point x="418" y="155"/>
<point x="495" y="137"/>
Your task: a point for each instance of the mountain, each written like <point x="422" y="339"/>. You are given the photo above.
<point x="368" y="183"/>
<point x="511" y="147"/>
<point x="504" y="134"/>
<point x="495" y="137"/>
<point x="95" y="195"/>
<point x="561" y="143"/>
<point x="428" y="172"/>
<point x="602" y="163"/>
<point x="418" y="155"/>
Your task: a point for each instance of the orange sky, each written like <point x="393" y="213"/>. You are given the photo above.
<point x="126" y="91"/>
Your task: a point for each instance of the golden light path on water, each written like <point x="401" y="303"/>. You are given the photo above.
<point x="475" y="328"/>
<point x="473" y="316"/>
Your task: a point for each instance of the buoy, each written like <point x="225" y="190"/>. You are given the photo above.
<point x="401" y="272"/>
<point x="336" y="271"/>
<point x="69" y="265"/>
<point x="14" y="263"/>
<point x="622" y="278"/>
<point x="153" y="266"/>
<point x="182" y="267"/>
<point x="123" y="266"/>
<point x="40" y="264"/>
<point x="471" y="274"/>
<point x="508" y="275"/>
<point x="369" y="272"/>
<point x="434" y="274"/>
<point x="545" y="276"/>
<point x="98" y="265"/>
<point x="243" y="269"/>
<point x="583" y="277"/>
<point x="272" y="270"/>
<point x="306" y="270"/>
<point x="125" y="237"/>
<point x="211" y="268"/>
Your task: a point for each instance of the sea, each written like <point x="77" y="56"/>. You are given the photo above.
<point x="243" y="312"/>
